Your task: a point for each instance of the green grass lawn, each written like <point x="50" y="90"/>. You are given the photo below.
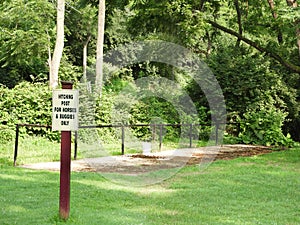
<point x="256" y="190"/>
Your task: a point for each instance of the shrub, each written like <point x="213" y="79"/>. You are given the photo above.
<point x="264" y="126"/>
<point x="27" y="103"/>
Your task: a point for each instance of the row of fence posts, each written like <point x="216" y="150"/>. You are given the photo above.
<point x="139" y="125"/>
<point x="191" y="126"/>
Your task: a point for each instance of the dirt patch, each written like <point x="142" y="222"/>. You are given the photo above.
<point x="150" y="163"/>
<point x="231" y="152"/>
<point x="139" y="163"/>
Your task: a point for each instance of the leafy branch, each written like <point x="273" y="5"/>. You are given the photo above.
<point x="255" y="45"/>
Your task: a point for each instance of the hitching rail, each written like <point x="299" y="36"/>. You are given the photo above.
<point x="122" y="133"/>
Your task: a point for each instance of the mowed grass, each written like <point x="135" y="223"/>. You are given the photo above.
<point x="255" y="190"/>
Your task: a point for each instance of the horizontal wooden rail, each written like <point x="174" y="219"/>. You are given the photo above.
<point x="122" y="126"/>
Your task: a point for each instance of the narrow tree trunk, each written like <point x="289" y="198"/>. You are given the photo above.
<point x="239" y="17"/>
<point x="201" y="5"/>
<point x="59" y="45"/>
<point x="275" y="16"/>
<point x="294" y="4"/>
<point x="100" y="44"/>
<point x="209" y="44"/>
<point x="298" y="39"/>
<point x="84" y="63"/>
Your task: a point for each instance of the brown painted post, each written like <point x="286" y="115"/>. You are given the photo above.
<point x="65" y="168"/>
<point x="160" y="136"/>
<point x="16" y="145"/>
<point x="191" y="134"/>
<point x="217" y="133"/>
<point x="123" y="140"/>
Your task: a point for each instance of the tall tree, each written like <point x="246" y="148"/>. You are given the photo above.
<point x="107" y="10"/>
<point x="54" y="62"/>
<point x="100" y="46"/>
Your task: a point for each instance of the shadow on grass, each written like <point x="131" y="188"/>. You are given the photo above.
<point x="257" y="190"/>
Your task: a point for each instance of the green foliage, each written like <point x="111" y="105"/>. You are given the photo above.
<point x="263" y="125"/>
<point x="154" y="110"/>
<point x="116" y="31"/>
<point x="176" y="21"/>
<point x="246" y="76"/>
<point x="81" y="22"/>
<point x="6" y="134"/>
<point x="266" y="33"/>
<point x="255" y="93"/>
<point x="26" y="28"/>
<point x="27" y="104"/>
<point x="153" y="101"/>
<point x="68" y="71"/>
<point x="104" y="115"/>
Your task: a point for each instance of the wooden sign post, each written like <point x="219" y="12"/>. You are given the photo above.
<point x="65" y="118"/>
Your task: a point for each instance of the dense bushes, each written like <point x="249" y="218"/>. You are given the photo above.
<point x="261" y="123"/>
<point x="256" y="95"/>
<point x="25" y="104"/>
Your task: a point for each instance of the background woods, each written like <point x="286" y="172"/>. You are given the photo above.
<point x="252" y="47"/>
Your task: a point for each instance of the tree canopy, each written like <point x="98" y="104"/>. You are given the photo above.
<point x="252" y="47"/>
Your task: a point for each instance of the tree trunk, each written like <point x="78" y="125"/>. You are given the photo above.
<point x="84" y="63"/>
<point x="100" y="44"/>
<point x="59" y="45"/>
<point x="209" y="44"/>
<point x="201" y="5"/>
<point x="298" y="39"/>
<point x="239" y="17"/>
<point x="293" y="3"/>
<point x="275" y="16"/>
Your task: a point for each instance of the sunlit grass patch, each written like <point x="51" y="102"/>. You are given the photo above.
<point x="262" y="189"/>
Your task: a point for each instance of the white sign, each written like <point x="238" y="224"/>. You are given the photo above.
<point x="65" y="107"/>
